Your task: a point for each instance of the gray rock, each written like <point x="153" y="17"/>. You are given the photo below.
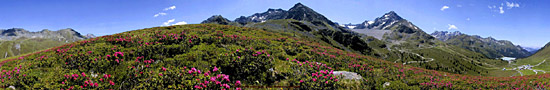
<point x="348" y="75"/>
<point x="386" y="84"/>
<point x="12" y="87"/>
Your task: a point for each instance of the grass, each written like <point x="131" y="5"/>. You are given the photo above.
<point x="26" y="46"/>
<point x="501" y="73"/>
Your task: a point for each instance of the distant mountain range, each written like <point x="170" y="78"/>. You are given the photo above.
<point x="17" y="41"/>
<point x="532" y="50"/>
<point x="69" y="35"/>
<point x="489" y="46"/>
<point x="397" y="39"/>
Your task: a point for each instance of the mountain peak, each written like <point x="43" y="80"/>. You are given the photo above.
<point x="298" y="12"/>
<point x="217" y="19"/>
<point x="301" y="7"/>
<point x="385" y="22"/>
<point x="303" y="13"/>
<point x="68" y="29"/>
<point x="12" y="31"/>
<point x="298" y="4"/>
<point x="391" y="15"/>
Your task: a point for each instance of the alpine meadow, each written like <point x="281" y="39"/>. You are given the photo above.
<point x="391" y="47"/>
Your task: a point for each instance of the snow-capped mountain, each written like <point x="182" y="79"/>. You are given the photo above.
<point x="297" y="12"/>
<point x="385" y="22"/>
<point x="262" y="17"/>
<point x="445" y="35"/>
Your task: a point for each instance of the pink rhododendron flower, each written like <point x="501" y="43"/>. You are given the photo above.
<point x="111" y="82"/>
<point x="215" y="69"/>
<point x="226" y="86"/>
<point x="212" y="78"/>
<point x="238" y="83"/>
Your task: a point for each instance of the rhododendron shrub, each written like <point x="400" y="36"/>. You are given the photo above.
<point x="249" y="65"/>
<point x="313" y="75"/>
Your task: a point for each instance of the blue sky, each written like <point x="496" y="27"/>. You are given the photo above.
<point x="520" y="21"/>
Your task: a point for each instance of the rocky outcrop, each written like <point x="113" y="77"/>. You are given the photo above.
<point x="348" y="75"/>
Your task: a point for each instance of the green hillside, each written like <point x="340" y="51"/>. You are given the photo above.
<point x="491" y="49"/>
<point x="23" y="46"/>
<point x="209" y="56"/>
<point x="539" y="60"/>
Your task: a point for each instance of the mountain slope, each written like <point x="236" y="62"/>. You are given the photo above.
<point x="489" y="47"/>
<point x="403" y="42"/>
<point x="540" y="60"/>
<point x="17" y="41"/>
<point x="208" y="56"/>
<point x="305" y="22"/>
<point x="400" y="31"/>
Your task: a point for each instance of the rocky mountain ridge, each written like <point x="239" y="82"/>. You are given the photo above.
<point x="489" y="46"/>
<point x="69" y="35"/>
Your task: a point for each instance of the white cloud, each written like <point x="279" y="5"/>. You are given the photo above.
<point x="170" y="8"/>
<point x="444" y="7"/>
<point x="180" y="23"/>
<point x="159" y="14"/>
<point x="167" y="23"/>
<point x="501" y="11"/>
<point x="468" y="19"/>
<point x="511" y="5"/>
<point x="452" y="27"/>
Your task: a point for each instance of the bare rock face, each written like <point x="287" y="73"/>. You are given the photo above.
<point x="348" y="75"/>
